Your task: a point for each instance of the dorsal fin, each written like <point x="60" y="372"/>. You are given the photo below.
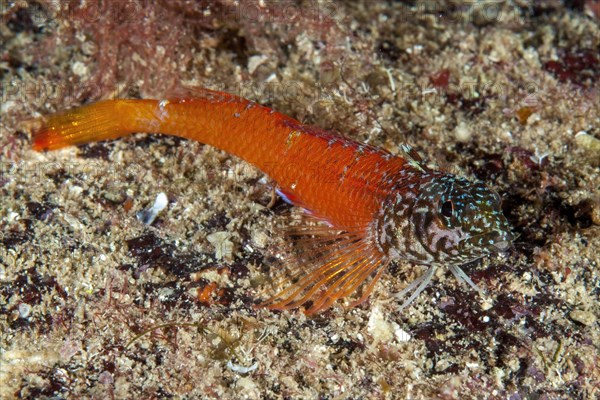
<point x="413" y="158"/>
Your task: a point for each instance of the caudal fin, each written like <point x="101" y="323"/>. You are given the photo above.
<point x="91" y="123"/>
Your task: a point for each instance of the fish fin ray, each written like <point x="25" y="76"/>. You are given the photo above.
<point x="330" y="265"/>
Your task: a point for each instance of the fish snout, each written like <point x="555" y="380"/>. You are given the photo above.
<point x="500" y="240"/>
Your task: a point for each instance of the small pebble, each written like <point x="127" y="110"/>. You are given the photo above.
<point x="223" y="246"/>
<point x="106" y="378"/>
<point x="260" y="239"/>
<point x="584" y="317"/>
<point x="401" y="334"/>
<point x="148" y="216"/>
<point x="79" y="68"/>
<point x="255" y="61"/>
<point x="24" y="310"/>
<point x="590" y="144"/>
<point x="586" y="140"/>
<point x="379" y="328"/>
<point x="462" y="132"/>
<point x="246" y="388"/>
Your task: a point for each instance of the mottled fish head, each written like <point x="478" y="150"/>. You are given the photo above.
<point x="458" y="221"/>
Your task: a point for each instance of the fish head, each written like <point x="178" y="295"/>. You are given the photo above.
<point x="458" y="221"/>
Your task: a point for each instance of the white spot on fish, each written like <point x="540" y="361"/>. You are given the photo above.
<point x="162" y="113"/>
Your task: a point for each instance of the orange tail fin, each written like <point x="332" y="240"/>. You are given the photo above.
<point x="104" y="120"/>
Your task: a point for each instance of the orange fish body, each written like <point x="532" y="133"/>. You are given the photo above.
<point x="372" y="200"/>
<point x="329" y="175"/>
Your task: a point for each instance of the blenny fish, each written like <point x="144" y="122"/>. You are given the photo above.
<point x="375" y="207"/>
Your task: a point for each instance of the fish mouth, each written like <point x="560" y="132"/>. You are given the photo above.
<point x="502" y="246"/>
<point x="495" y="241"/>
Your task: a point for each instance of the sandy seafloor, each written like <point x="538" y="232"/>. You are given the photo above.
<point x="506" y="92"/>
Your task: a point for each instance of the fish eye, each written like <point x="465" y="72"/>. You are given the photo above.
<point x="447" y="209"/>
